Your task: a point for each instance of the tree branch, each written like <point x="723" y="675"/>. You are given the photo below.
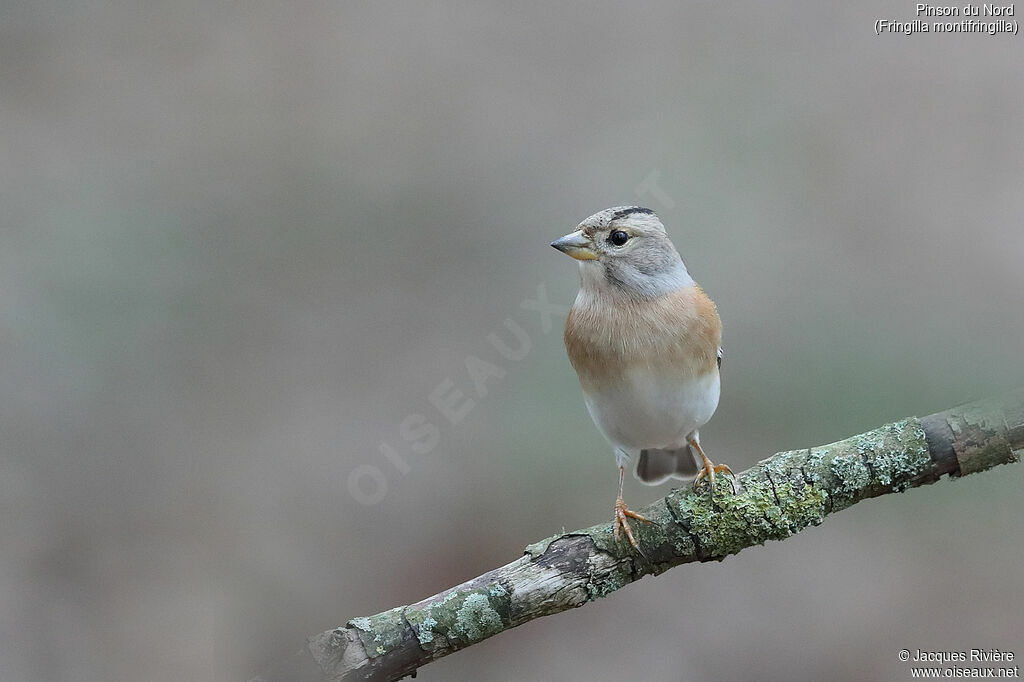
<point x="778" y="497"/>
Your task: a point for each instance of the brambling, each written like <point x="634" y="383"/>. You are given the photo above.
<point x="645" y="341"/>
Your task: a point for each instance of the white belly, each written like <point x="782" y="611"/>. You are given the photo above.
<point x="649" y="410"/>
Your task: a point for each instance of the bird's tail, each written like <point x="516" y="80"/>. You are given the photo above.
<point x="654" y="467"/>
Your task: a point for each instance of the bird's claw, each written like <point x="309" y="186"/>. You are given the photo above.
<point x="622" y="514"/>
<point x="708" y="472"/>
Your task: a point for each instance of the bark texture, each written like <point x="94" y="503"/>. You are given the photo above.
<point x="776" y="498"/>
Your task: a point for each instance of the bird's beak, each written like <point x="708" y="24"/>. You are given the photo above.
<point x="575" y="245"/>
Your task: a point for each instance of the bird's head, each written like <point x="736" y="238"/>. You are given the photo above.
<point x="625" y="250"/>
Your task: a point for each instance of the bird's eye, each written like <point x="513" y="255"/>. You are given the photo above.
<point x="618" y="237"/>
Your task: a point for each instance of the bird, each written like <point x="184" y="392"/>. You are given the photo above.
<point x="646" y="343"/>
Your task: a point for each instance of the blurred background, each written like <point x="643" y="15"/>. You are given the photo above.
<point x="244" y="241"/>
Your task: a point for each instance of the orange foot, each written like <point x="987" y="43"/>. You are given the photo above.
<point x="621" y="514"/>
<point x="708" y="471"/>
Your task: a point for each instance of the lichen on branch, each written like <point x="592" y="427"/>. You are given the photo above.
<point x="778" y="497"/>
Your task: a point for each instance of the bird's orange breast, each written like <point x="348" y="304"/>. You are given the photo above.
<point x="678" y="333"/>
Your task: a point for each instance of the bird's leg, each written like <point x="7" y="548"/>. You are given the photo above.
<point x="621" y="514"/>
<point x="709" y="469"/>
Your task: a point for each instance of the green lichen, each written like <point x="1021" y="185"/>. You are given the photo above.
<point x="798" y="467"/>
<point x="380" y="633"/>
<point x="604" y="539"/>
<point x="758" y="512"/>
<point x="603" y="583"/>
<point x="815" y="466"/>
<point x="851" y="478"/>
<point x="896" y="453"/>
<point x="424" y="625"/>
<point x="425" y="632"/>
<point x="887" y="458"/>
<point x="797" y="488"/>
<point x="461" y="617"/>
<point x="851" y="474"/>
<point x="787" y="493"/>
<point x="476" y="620"/>
<point x="362" y="623"/>
<point x="684" y="546"/>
